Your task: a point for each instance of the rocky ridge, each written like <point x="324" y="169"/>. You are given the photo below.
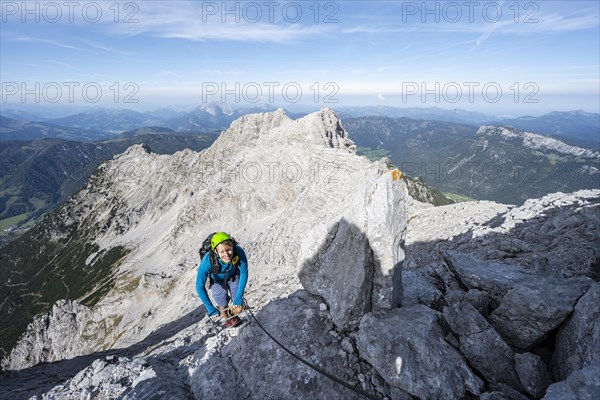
<point x="425" y="292"/>
<point x="537" y="141"/>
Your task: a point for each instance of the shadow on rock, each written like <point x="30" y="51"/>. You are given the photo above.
<point x="341" y="272"/>
<point x="253" y="366"/>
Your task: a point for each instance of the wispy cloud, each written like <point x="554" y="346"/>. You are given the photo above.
<point x="61" y="64"/>
<point x="382" y="69"/>
<point x="185" y="21"/>
<point x="95" y="45"/>
<point x="544" y="23"/>
<point x="547" y="24"/>
<point x="30" y="39"/>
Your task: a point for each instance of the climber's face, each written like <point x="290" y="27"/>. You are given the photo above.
<point x="225" y="251"/>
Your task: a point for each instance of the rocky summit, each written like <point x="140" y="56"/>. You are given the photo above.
<point x="396" y="298"/>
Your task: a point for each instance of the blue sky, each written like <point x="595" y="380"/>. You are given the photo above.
<point x="502" y="58"/>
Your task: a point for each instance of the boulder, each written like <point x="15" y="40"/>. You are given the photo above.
<point x="533" y="309"/>
<point x="386" y="219"/>
<point x="580" y="385"/>
<point x="530" y="305"/>
<point x="578" y="340"/>
<point x="418" y="289"/>
<point x="342" y="273"/>
<point x="492" y="277"/>
<point x="533" y="374"/>
<point x="407" y="348"/>
<point x="482" y="346"/>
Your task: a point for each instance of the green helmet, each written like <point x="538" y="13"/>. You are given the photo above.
<point x="217" y="238"/>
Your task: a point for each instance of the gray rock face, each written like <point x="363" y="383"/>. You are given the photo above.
<point x="52" y="336"/>
<point x="578" y="340"/>
<point x="530" y="311"/>
<point x="533" y="374"/>
<point x="122" y="378"/>
<point x="491" y="277"/>
<point x="530" y="305"/>
<point x="493" y="396"/>
<point x="342" y="273"/>
<point x="555" y="235"/>
<point x="408" y="349"/>
<point x="480" y="300"/>
<point x="580" y="385"/>
<point x="418" y="289"/>
<point x="270" y="372"/>
<point x="386" y="219"/>
<point x="483" y="347"/>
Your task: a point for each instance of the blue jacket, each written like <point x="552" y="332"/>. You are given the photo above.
<point x="227" y="272"/>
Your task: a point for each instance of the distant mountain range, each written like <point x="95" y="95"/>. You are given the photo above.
<point x="442" y="139"/>
<point x="11" y="129"/>
<point x="104" y="123"/>
<point x="491" y="163"/>
<point x="112" y="121"/>
<point x="428" y="113"/>
<point x="576" y="127"/>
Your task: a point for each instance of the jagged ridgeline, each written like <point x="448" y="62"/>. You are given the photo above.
<point x="284" y="187"/>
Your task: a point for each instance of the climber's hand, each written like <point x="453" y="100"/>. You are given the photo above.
<point x="235" y="310"/>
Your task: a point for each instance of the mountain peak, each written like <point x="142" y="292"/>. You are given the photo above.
<point x="217" y="108"/>
<point x="136" y="149"/>
<point x="329" y="128"/>
<point x="321" y="128"/>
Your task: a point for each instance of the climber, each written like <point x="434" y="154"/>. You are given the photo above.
<point x="226" y="267"/>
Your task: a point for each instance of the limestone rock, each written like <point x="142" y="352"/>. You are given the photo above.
<point x="555" y="235"/>
<point x="418" y="289"/>
<point x="342" y="273"/>
<point x="491" y="277"/>
<point x="386" y="219"/>
<point x="481" y="345"/>
<point x="410" y="345"/>
<point x="580" y="385"/>
<point x="530" y="305"/>
<point x="270" y="372"/>
<point x="125" y="378"/>
<point x="533" y="374"/>
<point x="480" y="300"/>
<point x="347" y="345"/>
<point x="578" y="340"/>
<point x="52" y="336"/>
<point x="530" y="311"/>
